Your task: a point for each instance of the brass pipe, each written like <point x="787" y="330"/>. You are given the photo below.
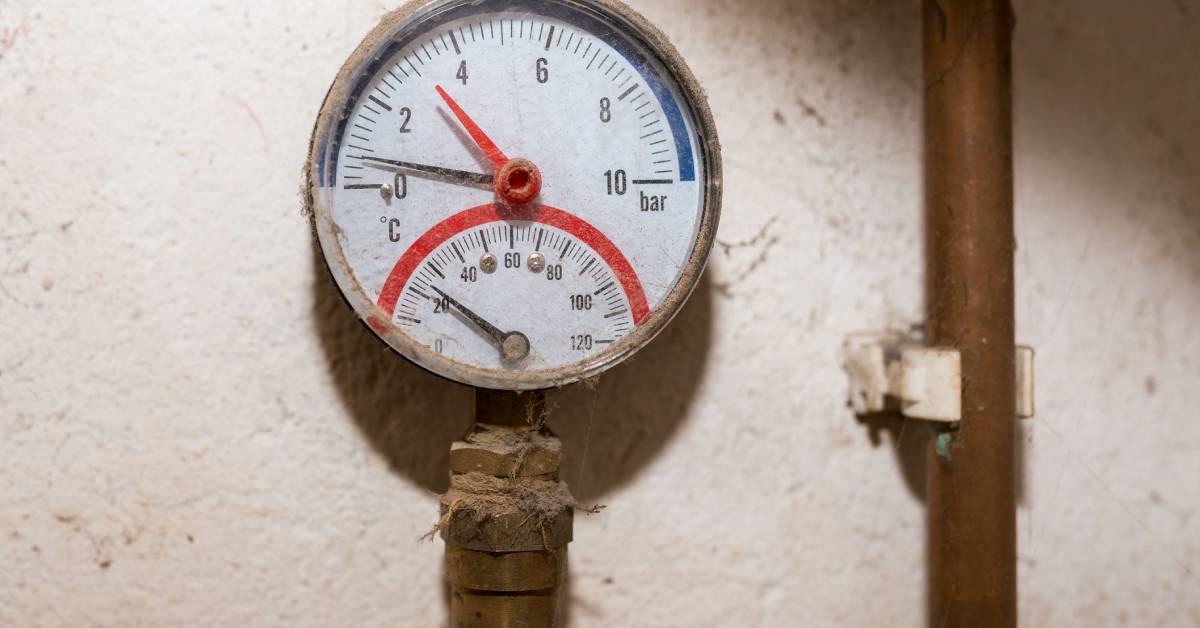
<point x="509" y="409"/>
<point x="969" y="205"/>
<point x="506" y="571"/>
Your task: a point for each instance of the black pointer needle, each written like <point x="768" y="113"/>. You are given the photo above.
<point x="513" y="345"/>
<point x="460" y="177"/>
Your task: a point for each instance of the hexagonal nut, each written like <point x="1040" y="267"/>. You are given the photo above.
<point x="505" y="461"/>
<point x="507" y="532"/>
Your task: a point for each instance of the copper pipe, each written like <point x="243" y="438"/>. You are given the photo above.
<point x="969" y="205"/>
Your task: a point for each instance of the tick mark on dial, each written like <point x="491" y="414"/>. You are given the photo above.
<point x="653" y="181"/>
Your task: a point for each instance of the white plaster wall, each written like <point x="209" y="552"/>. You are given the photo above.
<point x="194" y="432"/>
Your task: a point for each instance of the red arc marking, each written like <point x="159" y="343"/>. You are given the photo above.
<point x="543" y="214"/>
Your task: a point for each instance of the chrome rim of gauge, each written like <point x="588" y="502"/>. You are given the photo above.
<point x="515" y="194"/>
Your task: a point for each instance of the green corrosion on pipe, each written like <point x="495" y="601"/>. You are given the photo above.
<point x="943" y="446"/>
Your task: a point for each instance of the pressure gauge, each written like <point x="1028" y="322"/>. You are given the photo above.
<point x="515" y="194"/>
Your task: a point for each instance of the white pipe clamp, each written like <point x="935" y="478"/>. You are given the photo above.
<point x="926" y="382"/>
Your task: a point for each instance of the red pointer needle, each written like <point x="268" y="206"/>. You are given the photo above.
<point x="517" y="181"/>
<point x="489" y="148"/>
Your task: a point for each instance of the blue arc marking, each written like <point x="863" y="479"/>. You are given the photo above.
<point x="585" y="20"/>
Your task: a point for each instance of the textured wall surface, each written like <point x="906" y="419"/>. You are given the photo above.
<point x="194" y="431"/>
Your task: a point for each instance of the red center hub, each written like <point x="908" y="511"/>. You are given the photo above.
<point x="518" y="182"/>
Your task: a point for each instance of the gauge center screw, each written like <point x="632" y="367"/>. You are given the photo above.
<point x="515" y="346"/>
<point x="518" y="182"/>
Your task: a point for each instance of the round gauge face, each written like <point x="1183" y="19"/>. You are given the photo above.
<point x="515" y="194"/>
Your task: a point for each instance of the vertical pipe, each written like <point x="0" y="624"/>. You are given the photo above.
<point x="498" y="579"/>
<point x="969" y="205"/>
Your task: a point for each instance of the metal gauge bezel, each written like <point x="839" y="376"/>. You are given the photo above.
<point x="409" y="18"/>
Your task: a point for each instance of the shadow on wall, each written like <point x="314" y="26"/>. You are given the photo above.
<point x="616" y="426"/>
<point x="610" y="430"/>
<point x="408" y="415"/>
<point x="909" y="441"/>
<point x="1111" y="88"/>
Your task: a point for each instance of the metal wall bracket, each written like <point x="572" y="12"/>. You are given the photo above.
<point x="925" y="382"/>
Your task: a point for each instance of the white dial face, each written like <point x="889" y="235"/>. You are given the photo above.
<point x="508" y="191"/>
